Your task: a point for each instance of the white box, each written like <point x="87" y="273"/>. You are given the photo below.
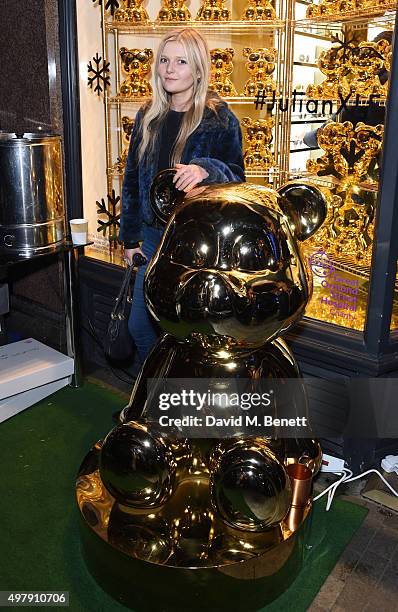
<point x="29" y="372"/>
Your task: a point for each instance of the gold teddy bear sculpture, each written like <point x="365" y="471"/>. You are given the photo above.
<point x="349" y="152"/>
<point x="331" y="63"/>
<point x="174" y="10"/>
<point x="366" y="62"/>
<point x="132" y="12"/>
<point x="136" y="64"/>
<point x="261" y="64"/>
<point x="221" y="68"/>
<point x="213" y="10"/>
<point x="258" y="155"/>
<point x="259" y="10"/>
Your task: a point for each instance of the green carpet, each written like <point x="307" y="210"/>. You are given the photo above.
<point x="41" y="450"/>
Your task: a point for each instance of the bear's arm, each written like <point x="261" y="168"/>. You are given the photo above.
<point x="227" y="164"/>
<point x="131" y="215"/>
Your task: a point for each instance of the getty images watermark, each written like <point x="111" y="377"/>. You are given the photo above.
<point x="211" y="403"/>
<point x="217" y="408"/>
<point x="274" y="407"/>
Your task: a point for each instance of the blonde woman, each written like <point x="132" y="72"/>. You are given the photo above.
<point x="187" y="127"/>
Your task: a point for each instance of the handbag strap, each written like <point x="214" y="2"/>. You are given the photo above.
<point x="124" y="293"/>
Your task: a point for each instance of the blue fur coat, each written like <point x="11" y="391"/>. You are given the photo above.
<point x="215" y="145"/>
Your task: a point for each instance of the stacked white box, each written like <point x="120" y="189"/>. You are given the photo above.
<point x="29" y="372"/>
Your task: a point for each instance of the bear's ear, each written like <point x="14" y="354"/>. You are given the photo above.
<point x="164" y="196"/>
<point x="305" y="206"/>
<point x="247" y="51"/>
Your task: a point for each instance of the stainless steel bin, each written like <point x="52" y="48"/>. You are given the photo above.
<point x="32" y="216"/>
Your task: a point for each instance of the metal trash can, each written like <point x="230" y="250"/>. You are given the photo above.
<point x="32" y="216"/>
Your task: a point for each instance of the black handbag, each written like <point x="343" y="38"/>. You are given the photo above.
<point x="118" y="344"/>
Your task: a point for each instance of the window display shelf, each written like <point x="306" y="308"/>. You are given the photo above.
<point x="262" y="174"/>
<point x="305" y="64"/>
<point x="314" y="35"/>
<point x="379" y="16"/>
<point x="159" y="28"/>
<point x="117" y="100"/>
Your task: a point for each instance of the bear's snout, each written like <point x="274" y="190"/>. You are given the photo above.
<point x="206" y="294"/>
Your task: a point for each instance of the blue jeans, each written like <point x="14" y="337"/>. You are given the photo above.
<point x="142" y="326"/>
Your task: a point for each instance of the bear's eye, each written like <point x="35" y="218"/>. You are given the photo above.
<point x="254" y="57"/>
<point x="190" y="246"/>
<point x="253" y="252"/>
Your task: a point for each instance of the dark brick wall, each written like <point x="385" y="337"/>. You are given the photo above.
<point x="30" y="100"/>
<point x="24" y="93"/>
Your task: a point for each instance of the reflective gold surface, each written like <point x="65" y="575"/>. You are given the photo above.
<point x="173" y="10"/>
<point x="249" y="487"/>
<point x="351" y="156"/>
<point x="228" y="278"/>
<point x="333" y="7"/>
<point x="258" y="136"/>
<point x="136" y="64"/>
<point x="332" y="64"/>
<point x="352" y="68"/>
<point x="203" y="359"/>
<point x="213" y="10"/>
<point x="366" y="62"/>
<point x="184" y="532"/>
<point x="259" y="10"/>
<point x="221" y="69"/>
<point x="260" y="64"/>
<point x="229" y="266"/>
<point x="132" y="11"/>
<point x="127" y="126"/>
<point x="349" y="151"/>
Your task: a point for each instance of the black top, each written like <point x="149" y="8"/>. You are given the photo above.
<point x="168" y="136"/>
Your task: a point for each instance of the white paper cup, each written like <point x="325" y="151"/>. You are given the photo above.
<point x="79" y="229"/>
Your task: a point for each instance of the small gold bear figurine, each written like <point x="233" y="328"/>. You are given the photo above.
<point x="132" y="12"/>
<point x="127" y="126"/>
<point x="332" y="138"/>
<point x="213" y="10"/>
<point x="174" y="10"/>
<point x="260" y="65"/>
<point x="136" y="64"/>
<point x="328" y="7"/>
<point x="259" y="10"/>
<point x="366" y="61"/>
<point x="349" y="151"/>
<point x="351" y="155"/>
<point x="368" y="141"/>
<point x="258" y="155"/>
<point x="331" y="63"/>
<point x="221" y="67"/>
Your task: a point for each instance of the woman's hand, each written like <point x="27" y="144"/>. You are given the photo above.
<point x="188" y="176"/>
<point x="129" y="254"/>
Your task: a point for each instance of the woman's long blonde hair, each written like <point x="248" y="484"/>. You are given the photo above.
<point x="198" y="56"/>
